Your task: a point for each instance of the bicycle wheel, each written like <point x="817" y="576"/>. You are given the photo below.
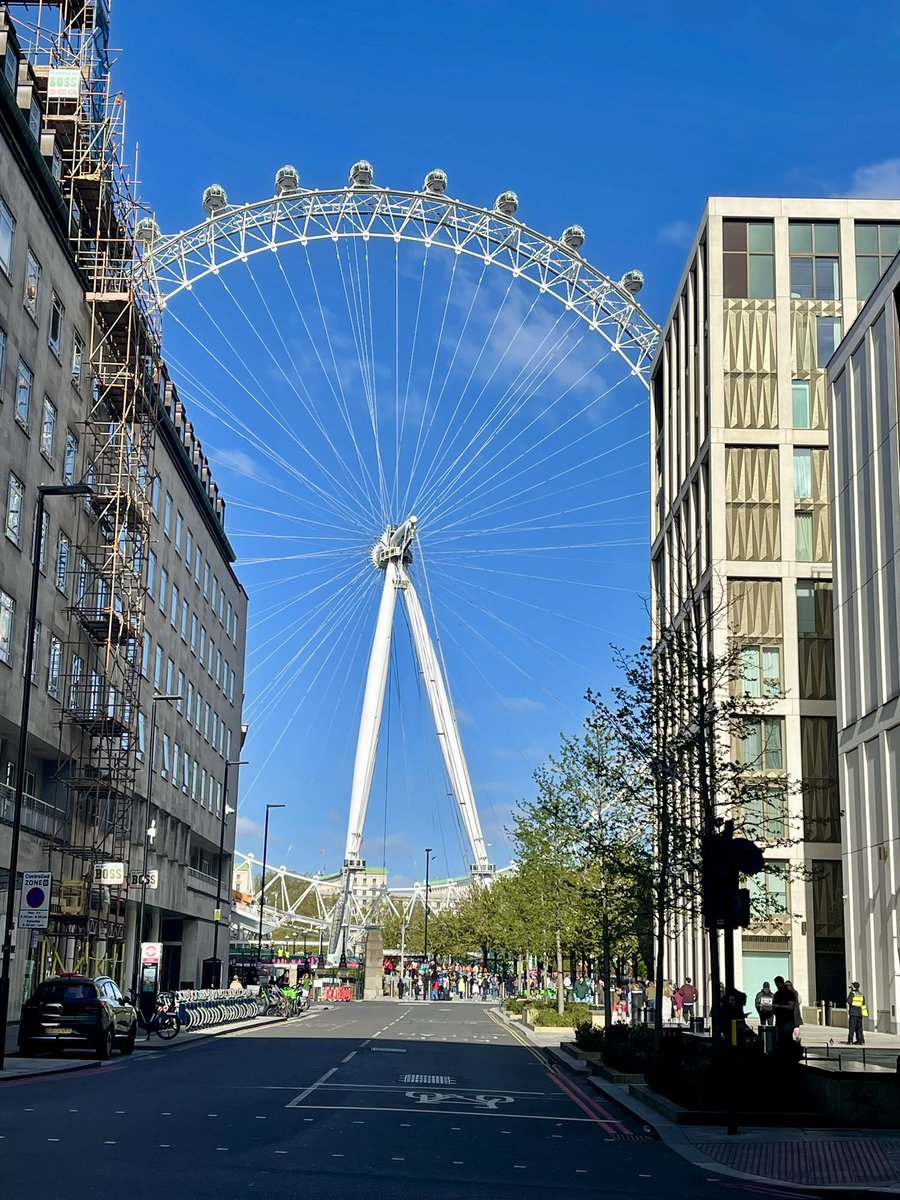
<point x="168" y="1026"/>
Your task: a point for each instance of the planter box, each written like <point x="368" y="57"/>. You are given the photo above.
<point x="556" y="1030"/>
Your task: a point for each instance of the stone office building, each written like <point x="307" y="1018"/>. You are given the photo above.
<point x="184" y="630"/>
<point x="741" y="526"/>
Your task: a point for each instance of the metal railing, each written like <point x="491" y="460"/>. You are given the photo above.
<point x="206" y="882"/>
<point x="37" y="815"/>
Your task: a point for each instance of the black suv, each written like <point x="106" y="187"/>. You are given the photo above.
<point x="74" y="1010"/>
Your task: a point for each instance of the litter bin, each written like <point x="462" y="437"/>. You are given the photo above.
<point x="698" y="1024"/>
<point x="767" y="1033"/>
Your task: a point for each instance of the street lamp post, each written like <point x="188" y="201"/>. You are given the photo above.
<point x="45" y="490"/>
<point x="262" y="890"/>
<point x="427" y="880"/>
<point x="217" y="917"/>
<point x="139" y="927"/>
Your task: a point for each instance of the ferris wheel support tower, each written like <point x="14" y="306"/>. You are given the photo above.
<point x="392" y="554"/>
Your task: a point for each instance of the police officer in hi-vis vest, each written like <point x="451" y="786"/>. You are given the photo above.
<point x="857" y="1009"/>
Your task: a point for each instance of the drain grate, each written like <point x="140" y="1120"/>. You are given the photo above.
<point x="447" y="1080"/>
<point x="387" y="1049"/>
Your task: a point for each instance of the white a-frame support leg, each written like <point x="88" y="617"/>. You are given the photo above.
<point x="396" y="579"/>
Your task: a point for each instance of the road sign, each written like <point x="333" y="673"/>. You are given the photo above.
<point x="34" y="909"/>
<point x="151" y="954"/>
<point x="111" y="874"/>
<point x="150" y="880"/>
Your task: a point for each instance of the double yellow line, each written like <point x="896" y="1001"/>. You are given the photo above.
<point x="519" y="1037"/>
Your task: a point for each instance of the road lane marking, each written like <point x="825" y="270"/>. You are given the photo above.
<point x="349" y="1056"/>
<point x="295" y="1103"/>
<point x="438" y="1112"/>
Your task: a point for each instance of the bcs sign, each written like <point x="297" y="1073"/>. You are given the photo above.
<point x="151" y="954"/>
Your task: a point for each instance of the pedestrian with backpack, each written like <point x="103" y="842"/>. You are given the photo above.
<point x="765" y="1005"/>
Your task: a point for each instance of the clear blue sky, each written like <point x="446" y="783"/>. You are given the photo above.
<point x="620" y="119"/>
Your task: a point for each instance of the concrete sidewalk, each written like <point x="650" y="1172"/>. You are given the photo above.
<point x="859" y="1161"/>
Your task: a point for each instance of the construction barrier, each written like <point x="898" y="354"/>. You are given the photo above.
<point x="335" y="992"/>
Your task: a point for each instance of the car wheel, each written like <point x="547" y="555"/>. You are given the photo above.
<point x="128" y="1044"/>
<point x="105" y="1047"/>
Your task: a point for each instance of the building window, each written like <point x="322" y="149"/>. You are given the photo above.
<point x="145" y="655"/>
<point x="7" y="616"/>
<point x="748" y="260"/>
<point x="165" y="757"/>
<point x="179" y="704"/>
<point x="803" y="484"/>
<point x="760" y="671"/>
<point x="70" y="465"/>
<point x="54" y="667"/>
<point x="185" y="772"/>
<point x="215" y="592"/>
<point x="193" y="633"/>
<point x="63" y="556"/>
<point x="195" y="771"/>
<point x="151" y="571"/>
<point x="179" y="530"/>
<point x="185" y="614"/>
<point x="48" y="428"/>
<point x="815" y="268"/>
<point x="173" y="607"/>
<point x="202" y="643"/>
<point x="198" y="563"/>
<point x="206" y="581"/>
<point x="768" y="894"/>
<point x="2" y="355"/>
<point x="32" y="293"/>
<point x="142" y="737"/>
<point x="188" y="548"/>
<point x="24" y="385"/>
<point x="57" y="317"/>
<point x="761" y="744"/>
<point x="7" y="234"/>
<point x="56" y="162"/>
<point x="198" y="710"/>
<point x="167" y="515"/>
<point x="35" y="651"/>
<point x="15" y="499"/>
<point x="154" y="495"/>
<point x="45" y="533"/>
<point x="806" y="607"/>
<point x="163" y="589"/>
<point x="206" y="714"/>
<point x="189" y="704"/>
<point x="828" y="337"/>
<point x="176" y="763"/>
<point x="803" y="535"/>
<point x="170" y="677"/>
<point x="84" y="578"/>
<point x="34" y="118"/>
<point x="800" y="398"/>
<point x="77" y="358"/>
<point x="876" y="245"/>
<point x="75" y="682"/>
<point x="158" y="668"/>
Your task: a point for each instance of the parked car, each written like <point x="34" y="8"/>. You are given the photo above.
<point x="76" y="1011"/>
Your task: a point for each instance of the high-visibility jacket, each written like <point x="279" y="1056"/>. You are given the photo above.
<point x="856" y="1000"/>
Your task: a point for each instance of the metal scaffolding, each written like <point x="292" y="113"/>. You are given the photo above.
<point x="83" y="137"/>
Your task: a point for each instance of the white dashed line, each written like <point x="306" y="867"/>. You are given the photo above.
<point x="349" y="1056"/>
<point x="52" y="1139"/>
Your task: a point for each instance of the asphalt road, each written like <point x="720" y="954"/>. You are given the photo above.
<point x="385" y="1101"/>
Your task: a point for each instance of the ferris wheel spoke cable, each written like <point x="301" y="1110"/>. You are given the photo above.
<point x="348" y="574"/>
<point x="533" y="465"/>
<point x="438" y="346"/>
<point x="508" y="504"/>
<point x="506" y="402"/>
<point x="420" y="441"/>
<point x="367" y="482"/>
<point x="357" y="491"/>
<point x="239" y="427"/>
<point x="453" y="486"/>
<point x="335" y="616"/>
<point x="368" y="387"/>
<point x="332" y="644"/>
<point x="409" y="371"/>
<point x="353" y="497"/>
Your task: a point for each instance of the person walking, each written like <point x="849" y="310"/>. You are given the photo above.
<point x="650" y="993"/>
<point x="677" y="1005"/>
<point x="857" y="1009"/>
<point x="784" y="1007"/>
<point x="689" y="996"/>
<point x="763" y="1004"/>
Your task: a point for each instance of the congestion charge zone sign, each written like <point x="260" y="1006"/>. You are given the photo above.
<point x="34" y="909"/>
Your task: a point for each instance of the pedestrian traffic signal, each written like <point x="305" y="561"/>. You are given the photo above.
<point x="726" y="905"/>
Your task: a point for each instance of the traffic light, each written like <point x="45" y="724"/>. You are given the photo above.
<point x="726" y="905"/>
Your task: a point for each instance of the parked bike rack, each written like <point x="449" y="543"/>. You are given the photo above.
<point x="201" y="1008"/>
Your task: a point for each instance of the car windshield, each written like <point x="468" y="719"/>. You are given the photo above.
<point x="61" y="992"/>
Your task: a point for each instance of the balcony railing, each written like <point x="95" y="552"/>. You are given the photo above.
<point x="37" y="815"/>
<point x="200" y="881"/>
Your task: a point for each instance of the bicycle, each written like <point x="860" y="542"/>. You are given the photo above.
<point x="165" y="1022"/>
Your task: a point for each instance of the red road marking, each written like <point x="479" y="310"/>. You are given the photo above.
<point x="56" y="1077"/>
<point x="587" y="1105"/>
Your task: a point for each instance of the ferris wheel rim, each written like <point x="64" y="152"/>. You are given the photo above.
<point x="173" y="263"/>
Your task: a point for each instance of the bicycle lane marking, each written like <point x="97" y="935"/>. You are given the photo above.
<point x="603" y="1118"/>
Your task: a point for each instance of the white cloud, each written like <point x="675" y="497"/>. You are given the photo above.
<point x="246" y="828"/>
<point x="463" y="716"/>
<point x="878" y="181"/>
<point x="675" y="233"/>
<point x="240" y="462"/>
<point x="522" y="704"/>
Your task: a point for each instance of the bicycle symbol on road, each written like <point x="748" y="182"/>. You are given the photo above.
<point x="480" y="1101"/>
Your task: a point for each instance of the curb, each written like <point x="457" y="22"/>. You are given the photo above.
<point x="61" y="1069"/>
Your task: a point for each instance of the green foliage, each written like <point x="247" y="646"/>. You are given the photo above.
<point x="544" y="1013"/>
<point x="629" y="1048"/>
<point x="589" y="1037"/>
<point x="515" y="1005"/>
